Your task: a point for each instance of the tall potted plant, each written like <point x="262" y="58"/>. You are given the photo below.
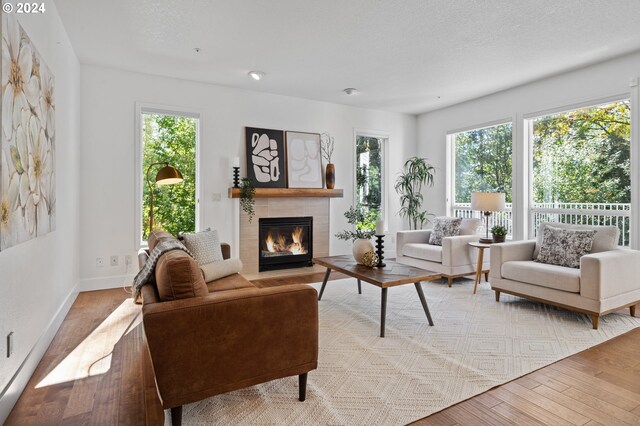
<point x="416" y="173"/>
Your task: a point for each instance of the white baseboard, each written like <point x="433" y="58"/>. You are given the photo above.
<point x="103" y="283"/>
<point x="10" y="394"/>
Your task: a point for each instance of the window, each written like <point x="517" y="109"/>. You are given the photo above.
<point x="482" y="162"/>
<point x="171" y="138"/>
<point x="581" y="167"/>
<point x="370" y="172"/>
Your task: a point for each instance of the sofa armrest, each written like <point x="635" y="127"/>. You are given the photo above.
<point x="609" y="273"/>
<point x="510" y="251"/>
<point x="408" y="237"/>
<point x="456" y="250"/>
<point x="208" y="345"/>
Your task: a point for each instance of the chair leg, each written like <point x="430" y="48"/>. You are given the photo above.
<point x="176" y="416"/>
<point x="302" y="386"/>
<point x="594" y="321"/>
<point x="449" y="281"/>
<point x="497" y="295"/>
<point x="632" y="310"/>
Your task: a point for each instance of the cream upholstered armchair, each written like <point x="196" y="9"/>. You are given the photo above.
<point x="606" y="280"/>
<point x="454" y="258"/>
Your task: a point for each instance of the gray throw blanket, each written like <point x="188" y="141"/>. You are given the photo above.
<point x="149" y="268"/>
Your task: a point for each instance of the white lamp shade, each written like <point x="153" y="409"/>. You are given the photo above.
<point x="487" y="201"/>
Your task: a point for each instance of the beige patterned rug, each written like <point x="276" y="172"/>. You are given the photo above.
<point x="415" y="370"/>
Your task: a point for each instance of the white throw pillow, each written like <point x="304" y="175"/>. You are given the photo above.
<point x="217" y="270"/>
<point x="205" y="246"/>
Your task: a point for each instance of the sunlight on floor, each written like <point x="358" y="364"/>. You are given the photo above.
<point x="92" y="357"/>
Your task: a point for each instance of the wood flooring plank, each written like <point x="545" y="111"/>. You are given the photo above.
<point x="548" y="404"/>
<point x="480" y="411"/>
<point x="527" y="382"/>
<point x="530" y="409"/>
<point x="437" y="419"/>
<point x="583" y="381"/>
<point x="487" y="400"/>
<point x="589" y="406"/>
<point x="542" y="379"/>
<point x="516" y="416"/>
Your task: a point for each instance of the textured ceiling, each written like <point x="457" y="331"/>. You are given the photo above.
<point x="402" y="55"/>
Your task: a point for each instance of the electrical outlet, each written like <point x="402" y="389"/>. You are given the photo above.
<point x="99" y="262"/>
<point x="128" y="260"/>
<point x="9" y="344"/>
<point x="114" y="261"/>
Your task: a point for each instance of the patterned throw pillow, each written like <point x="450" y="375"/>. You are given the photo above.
<point x="205" y="246"/>
<point x="565" y="247"/>
<point x="444" y="227"/>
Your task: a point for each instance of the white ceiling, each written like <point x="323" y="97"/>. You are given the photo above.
<point x="408" y="56"/>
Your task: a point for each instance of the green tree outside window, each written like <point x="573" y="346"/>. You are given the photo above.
<point x="172" y="139"/>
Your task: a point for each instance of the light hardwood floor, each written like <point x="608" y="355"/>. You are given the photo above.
<point x="597" y="386"/>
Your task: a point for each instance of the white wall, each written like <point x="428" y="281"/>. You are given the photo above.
<point x="108" y="169"/>
<point x="38" y="279"/>
<point x="596" y="82"/>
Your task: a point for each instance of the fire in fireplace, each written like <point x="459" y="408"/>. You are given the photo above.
<point x="285" y="242"/>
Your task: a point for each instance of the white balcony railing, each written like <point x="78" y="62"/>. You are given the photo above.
<point x="616" y="214"/>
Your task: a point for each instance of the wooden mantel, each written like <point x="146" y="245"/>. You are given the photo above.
<point x="290" y="193"/>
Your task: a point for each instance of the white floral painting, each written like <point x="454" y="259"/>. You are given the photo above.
<point x="27" y="144"/>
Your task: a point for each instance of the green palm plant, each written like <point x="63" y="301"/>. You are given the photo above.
<point x="416" y="173"/>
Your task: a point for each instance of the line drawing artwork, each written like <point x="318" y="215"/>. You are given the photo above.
<point x="304" y="161"/>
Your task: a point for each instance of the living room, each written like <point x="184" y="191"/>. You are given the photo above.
<point x="111" y="59"/>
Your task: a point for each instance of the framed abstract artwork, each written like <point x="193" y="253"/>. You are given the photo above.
<point x="304" y="161"/>
<point x="28" y="142"/>
<point x="265" y="157"/>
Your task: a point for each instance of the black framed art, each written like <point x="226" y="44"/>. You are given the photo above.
<point x="266" y="165"/>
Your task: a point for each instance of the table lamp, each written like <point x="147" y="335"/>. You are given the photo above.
<point x="487" y="202"/>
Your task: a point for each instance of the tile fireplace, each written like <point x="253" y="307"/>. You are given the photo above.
<point x="285" y="242"/>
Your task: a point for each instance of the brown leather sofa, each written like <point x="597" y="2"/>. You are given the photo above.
<point x="210" y="338"/>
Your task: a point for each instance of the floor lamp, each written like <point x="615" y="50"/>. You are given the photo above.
<point x="166" y="176"/>
<point x="487" y="202"/>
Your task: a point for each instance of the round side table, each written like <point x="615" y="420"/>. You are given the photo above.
<point x="480" y="246"/>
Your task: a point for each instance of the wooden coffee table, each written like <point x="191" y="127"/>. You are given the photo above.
<point x="393" y="274"/>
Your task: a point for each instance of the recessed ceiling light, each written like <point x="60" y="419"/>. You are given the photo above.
<point x="256" y="75"/>
<point x="196" y="49"/>
<point x="350" y="91"/>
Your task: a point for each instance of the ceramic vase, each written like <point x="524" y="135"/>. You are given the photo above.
<point x="360" y="247"/>
<point x="330" y="176"/>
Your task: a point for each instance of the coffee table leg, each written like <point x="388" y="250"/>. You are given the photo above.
<point x="423" y="301"/>
<point x="324" y="282"/>
<point x="383" y="313"/>
<point x="359" y="287"/>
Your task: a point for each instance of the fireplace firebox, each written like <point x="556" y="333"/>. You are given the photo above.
<point x="285" y="242"/>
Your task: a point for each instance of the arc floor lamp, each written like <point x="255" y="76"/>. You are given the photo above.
<point x="167" y="175"/>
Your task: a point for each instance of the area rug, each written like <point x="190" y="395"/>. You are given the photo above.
<point x="416" y="370"/>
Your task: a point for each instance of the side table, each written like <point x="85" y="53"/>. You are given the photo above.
<point x="480" y="247"/>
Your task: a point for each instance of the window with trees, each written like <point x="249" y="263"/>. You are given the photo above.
<point x="581" y="167"/>
<point x="482" y="162"/>
<point x="369" y="173"/>
<point x="168" y="138"/>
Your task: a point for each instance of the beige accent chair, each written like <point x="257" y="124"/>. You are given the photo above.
<point x="455" y="258"/>
<point x="606" y="281"/>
